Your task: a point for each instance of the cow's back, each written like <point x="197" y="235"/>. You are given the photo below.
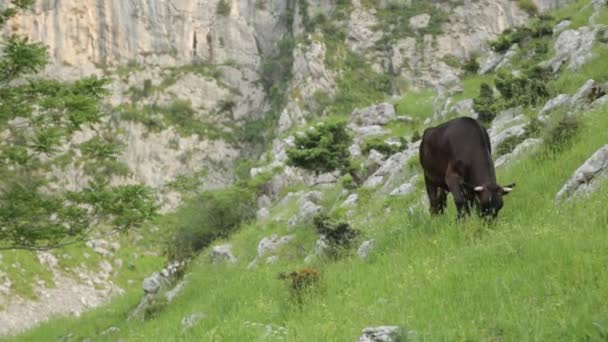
<point x="462" y="139"/>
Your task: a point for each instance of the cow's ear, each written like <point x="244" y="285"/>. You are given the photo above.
<point x="478" y="188"/>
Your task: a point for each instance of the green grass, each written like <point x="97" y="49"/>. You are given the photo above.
<point x="538" y="273"/>
<point x="471" y="84"/>
<point x="418" y="104"/>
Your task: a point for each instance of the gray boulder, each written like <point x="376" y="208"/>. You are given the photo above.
<point x="586" y="178"/>
<point x="559" y="28"/>
<point x="573" y="47"/>
<point x="587" y="93"/>
<point x="190" y="320"/>
<point x="560" y="101"/>
<point x="365" y="248"/>
<point x="380" y="114"/>
<point x="515" y="131"/>
<point x="420" y="21"/>
<point x="350" y="201"/>
<point x="263" y="213"/>
<point x="508" y="57"/>
<point x="222" y="253"/>
<point x="381" y="334"/>
<point x="404" y="189"/>
<point x="272" y="243"/>
<point x="152" y="283"/>
<point x="526" y="146"/>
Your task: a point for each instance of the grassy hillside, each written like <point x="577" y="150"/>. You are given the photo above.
<point x="537" y="273"/>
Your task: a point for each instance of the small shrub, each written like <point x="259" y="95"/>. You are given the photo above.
<point x="527" y="89"/>
<point x="212" y="215"/>
<point x="452" y="61"/>
<point x="534" y="128"/>
<point x="223" y="8"/>
<point x="528" y="6"/>
<point x="509" y="144"/>
<point x="416" y="136"/>
<point x="147" y="87"/>
<point x="485" y="104"/>
<point x="302" y="282"/>
<point x="380" y="145"/>
<point x="563" y="133"/>
<point x="155" y="306"/>
<point x="339" y="235"/>
<point x="471" y="66"/>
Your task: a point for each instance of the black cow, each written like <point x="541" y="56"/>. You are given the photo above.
<point x="457" y="157"/>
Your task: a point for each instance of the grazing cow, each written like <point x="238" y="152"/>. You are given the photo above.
<point x="457" y="157"/>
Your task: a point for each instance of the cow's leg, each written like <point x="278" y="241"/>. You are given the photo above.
<point x="455" y="187"/>
<point x="437" y="197"/>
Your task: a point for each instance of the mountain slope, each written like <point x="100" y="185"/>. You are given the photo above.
<point x="537" y="273"/>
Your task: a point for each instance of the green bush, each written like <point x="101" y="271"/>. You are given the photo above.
<point x="339" y="235"/>
<point x="528" y="89"/>
<point x="471" y="66"/>
<point x="485" y="104"/>
<point x="528" y="6"/>
<point x="223" y="8"/>
<point x="509" y="144"/>
<point x="210" y="216"/>
<point x="562" y="135"/>
<point x="322" y="148"/>
<point x="378" y="144"/>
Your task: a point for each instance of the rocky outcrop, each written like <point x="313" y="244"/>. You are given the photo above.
<point x="527" y="146"/>
<point x="586" y="178"/>
<point x="573" y="47"/>
<point x="222" y="253"/>
<point x="381" y="334"/>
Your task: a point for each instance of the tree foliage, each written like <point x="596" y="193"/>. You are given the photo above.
<point x="485" y="103"/>
<point x="323" y="148"/>
<point x="38" y="116"/>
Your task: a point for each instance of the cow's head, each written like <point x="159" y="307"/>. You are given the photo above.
<point x="490" y="198"/>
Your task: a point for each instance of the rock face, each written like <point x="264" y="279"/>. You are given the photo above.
<point x="586" y="178"/>
<point x="380" y="114"/>
<point x="573" y="47"/>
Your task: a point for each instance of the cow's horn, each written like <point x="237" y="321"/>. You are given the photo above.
<point x="507" y="189"/>
<point x="478" y="188"/>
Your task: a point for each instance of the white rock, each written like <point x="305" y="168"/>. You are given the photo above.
<point x="587" y="91"/>
<point x="321" y="246"/>
<point x="404" y="189"/>
<point x="272" y="243"/>
<point x="526" y="146"/>
<point x="380" y="114"/>
<point x="223" y="253"/>
<point x="560" y="101"/>
<point x="587" y="177"/>
<point x="381" y="334"/>
<point x="263" y="213"/>
<point x="574" y="47"/>
<point x="515" y="131"/>
<point x="153" y="283"/>
<point x="420" y="21"/>
<point x="559" y="28"/>
<point x="192" y="319"/>
<point x="175" y="291"/>
<point x="365" y="248"/>
<point x="351" y="200"/>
